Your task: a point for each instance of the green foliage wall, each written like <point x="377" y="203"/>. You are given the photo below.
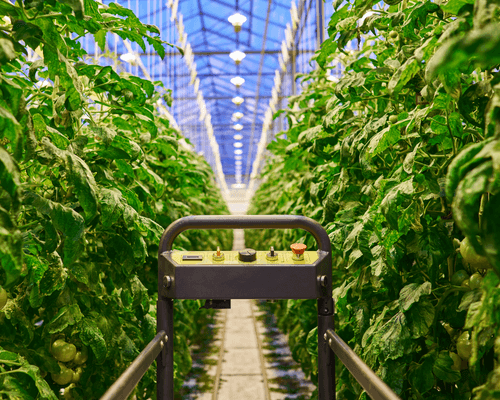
<point x="90" y="176"/>
<point x="398" y="160"/>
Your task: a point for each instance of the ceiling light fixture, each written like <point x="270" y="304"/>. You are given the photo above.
<point x="128" y="57"/>
<point x="238" y="100"/>
<point x="239" y="151"/>
<point x="238" y="157"/>
<point x="238" y="127"/>
<point x="237" y="56"/>
<point x="238" y="137"/>
<point x="237" y="115"/>
<point x="238" y="145"/>
<point x="237" y="81"/>
<point x="237" y="20"/>
<point x="238" y="162"/>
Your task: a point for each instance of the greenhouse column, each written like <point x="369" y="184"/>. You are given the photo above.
<point x="320" y="22"/>
<point x="326" y="357"/>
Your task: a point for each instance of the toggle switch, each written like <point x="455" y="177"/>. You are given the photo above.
<point x="272" y="256"/>
<point x="298" y="251"/>
<point x="218" y="255"/>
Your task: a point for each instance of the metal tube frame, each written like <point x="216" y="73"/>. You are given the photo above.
<point x="165" y="315"/>
<point x="330" y="344"/>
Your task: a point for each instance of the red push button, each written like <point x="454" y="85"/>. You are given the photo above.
<point x="298" y="248"/>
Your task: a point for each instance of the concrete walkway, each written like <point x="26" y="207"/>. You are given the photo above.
<point x="249" y="358"/>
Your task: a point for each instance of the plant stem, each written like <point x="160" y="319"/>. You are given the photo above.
<point x="481" y="208"/>
<point x="451" y="135"/>
<point x="29" y="225"/>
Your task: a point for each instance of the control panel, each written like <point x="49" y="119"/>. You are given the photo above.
<point x="221" y="275"/>
<point x="246" y="257"/>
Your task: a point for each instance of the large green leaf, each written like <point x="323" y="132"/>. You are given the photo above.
<point x="402" y="76"/>
<point x="64" y="219"/>
<point x="13" y="359"/>
<point x="411" y="294"/>
<point x="67" y="315"/>
<point x="91" y="335"/>
<point x="442" y="368"/>
<point x="79" y="175"/>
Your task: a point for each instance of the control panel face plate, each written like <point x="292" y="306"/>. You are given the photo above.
<point x="232" y="258"/>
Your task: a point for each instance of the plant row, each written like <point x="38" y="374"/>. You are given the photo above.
<point x="91" y="173"/>
<point x="398" y="160"/>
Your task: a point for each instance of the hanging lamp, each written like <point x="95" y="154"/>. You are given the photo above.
<point x="237" y="56"/>
<point x="237" y="20"/>
<point x="237" y="81"/>
<point x="237" y="100"/>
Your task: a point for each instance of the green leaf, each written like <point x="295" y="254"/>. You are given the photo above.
<point x="66" y="220"/>
<point x="77" y="6"/>
<point x="7" y="51"/>
<point x="479" y="45"/>
<point x="392" y="201"/>
<point x="420" y="317"/>
<point x="13" y="359"/>
<point x="312" y="342"/>
<point x="454" y="6"/>
<point x="73" y="101"/>
<point x="393" y="338"/>
<point x="402" y="76"/>
<point x="465" y="205"/>
<point x="121" y="253"/>
<point x="67" y="315"/>
<point x="422" y="378"/>
<point x="100" y="38"/>
<point x="91" y="335"/>
<point x="442" y="368"/>
<point x="84" y="184"/>
<point x="36" y="268"/>
<point x="59" y="140"/>
<point x="11" y="256"/>
<point x="383" y="140"/>
<point x="411" y="294"/>
<point x="112" y="206"/>
<point x="79" y="175"/>
<point x="140" y="295"/>
<point x="9" y="174"/>
<point x="54" y="279"/>
<point x="490" y="234"/>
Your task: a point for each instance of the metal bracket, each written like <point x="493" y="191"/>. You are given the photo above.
<point x="217" y="304"/>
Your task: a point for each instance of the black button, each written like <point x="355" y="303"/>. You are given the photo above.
<point x="247" y="255"/>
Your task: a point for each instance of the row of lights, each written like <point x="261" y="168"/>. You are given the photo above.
<point x="237" y="56"/>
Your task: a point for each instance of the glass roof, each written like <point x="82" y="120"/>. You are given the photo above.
<point x="204" y="27"/>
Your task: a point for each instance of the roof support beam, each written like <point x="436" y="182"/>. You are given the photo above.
<point x="254" y="119"/>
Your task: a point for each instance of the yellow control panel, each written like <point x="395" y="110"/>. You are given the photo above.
<point x="233" y="257"/>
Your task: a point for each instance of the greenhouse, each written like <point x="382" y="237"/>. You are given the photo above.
<point x="249" y="199"/>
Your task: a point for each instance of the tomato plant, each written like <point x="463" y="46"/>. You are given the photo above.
<point x="398" y="160"/>
<point x="91" y="172"/>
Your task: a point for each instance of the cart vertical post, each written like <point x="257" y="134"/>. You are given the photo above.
<point x="165" y="360"/>
<point x="326" y="357"/>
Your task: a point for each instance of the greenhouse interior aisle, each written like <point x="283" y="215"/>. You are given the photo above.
<point x="252" y="361"/>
